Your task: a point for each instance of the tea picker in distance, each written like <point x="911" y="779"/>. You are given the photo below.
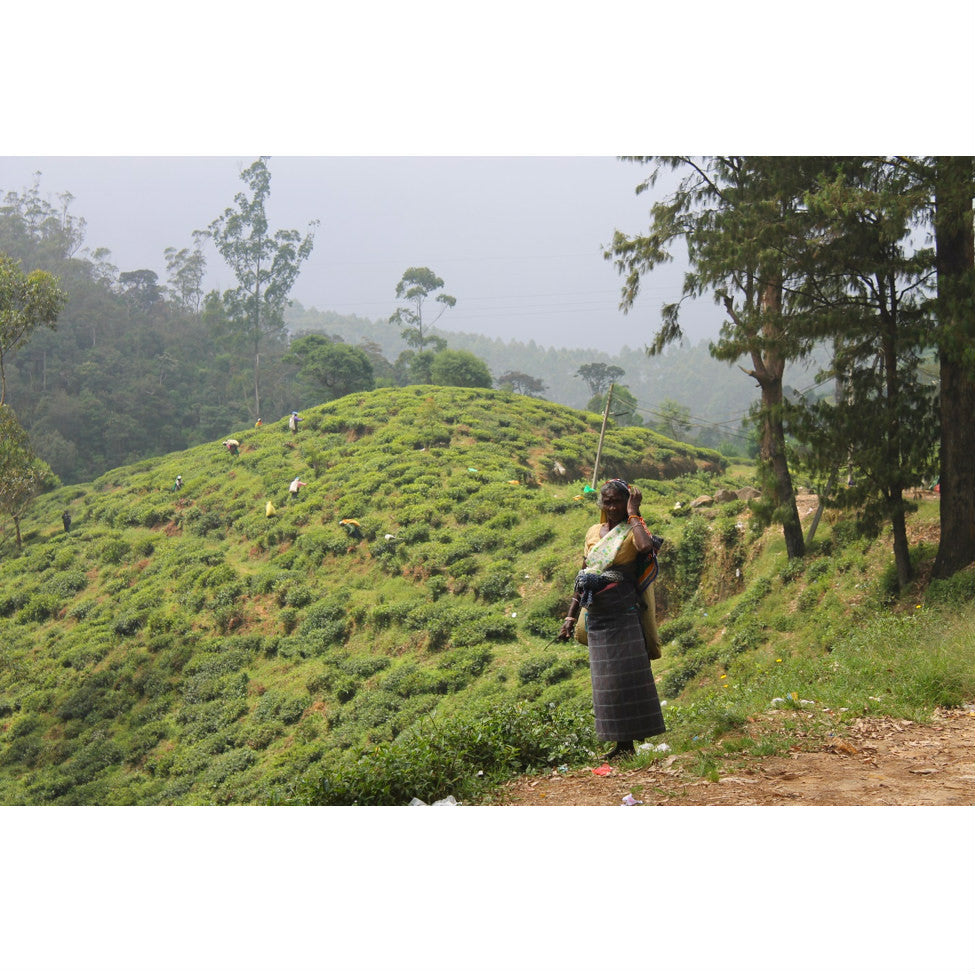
<point x="293" y="421"/>
<point x="233" y="446"/>
<point x="294" y="486"/>
<point x="620" y="557"/>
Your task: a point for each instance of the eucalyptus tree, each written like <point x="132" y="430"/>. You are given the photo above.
<point x="22" y="473"/>
<point x="186" y="268"/>
<point x="28" y="301"/>
<point x="141" y="287"/>
<point x="46" y="235"/>
<point x="623" y="410"/>
<point x="417" y="287"/>
<point x="598" y="376"/>
<point x="265" y="265"/>
<point x="672" y="419"/>
<point x="520" y="382"/>
<point x="744" y="224"/>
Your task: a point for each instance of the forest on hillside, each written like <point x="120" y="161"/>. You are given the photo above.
<point x="138" y="367"/>
<point x="865" y="265"/>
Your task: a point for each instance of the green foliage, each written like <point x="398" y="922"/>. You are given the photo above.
<point x="225" y="664"/>
<point x="958" y="590"/>
<point x="280" y="706"/>
<point x="545" y="668"/>
<point x="455" y="367"/>
<point x="689" y="558"/>
<point x="458" y="756"/>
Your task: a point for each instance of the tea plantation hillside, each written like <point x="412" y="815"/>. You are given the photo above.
<point x="187" y="646"/>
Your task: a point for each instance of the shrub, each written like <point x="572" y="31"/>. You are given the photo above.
<point x="496" y="587"/>
<point x="409" y="680"/>
<point x="230" y="763"/>
<point x="689" y="557"/>
<point x="363" y="666"/>
<point x="114" y="550"/>
<point x="38" y="608"/>
<point x="792" y="570"/>
<point x="530" y="537"/>
<point x="677" y="678"/>
<point x="83" y="610"/>
<point x="66" y="584"/>
<point x="127" y="624"/>
<point x="280" y="706"/>
<point x="958" y="590"/>
<point x="818" y="569"/>
<point x="546" y="668"/>
<point x="295" y="596"/>
<point x="12" y="601"/>
<point x="671" y="629"/>
<point x="200" y="522"/>
<point x="462" y="756"/>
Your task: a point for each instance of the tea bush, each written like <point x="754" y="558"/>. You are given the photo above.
<point x="127" y="624"/>
<point x="281" y="706"/>
<point x="114" y="551"/>
<point x="689" y="558"/>
<point x="496" y="587"/>
<point x="363" y="666"/>
<point x="460" y="756"/>
<point x="66" y="584"/>
<point x="546" y="668"/>
<point x="38" y="608"/>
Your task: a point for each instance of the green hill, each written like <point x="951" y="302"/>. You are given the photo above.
<point x="184" y="647"/>
<point x="187" y="648"/>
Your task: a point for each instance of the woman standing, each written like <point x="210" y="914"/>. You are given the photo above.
<point x="624" y="695"/>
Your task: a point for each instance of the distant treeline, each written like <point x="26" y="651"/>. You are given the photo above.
<point x="717" y="395"/>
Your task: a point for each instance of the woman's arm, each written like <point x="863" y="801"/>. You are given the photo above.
<point x="569" y="623"/>
<point x="638" y="527"/>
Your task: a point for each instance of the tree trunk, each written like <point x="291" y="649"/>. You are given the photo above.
<point x="955" y="243"/>
<point x="257" y="384"/>
<point x="892" y="450"/>
<point x="773" y="454"/>
<point x="902" y="552"/>
<point x="821" y="507"/>
<point x="769" y="370"/>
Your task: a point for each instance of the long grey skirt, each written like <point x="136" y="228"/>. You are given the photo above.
<point x="624" y="695"/>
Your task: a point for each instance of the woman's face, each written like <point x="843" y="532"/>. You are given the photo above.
<point x="613" y="502"/>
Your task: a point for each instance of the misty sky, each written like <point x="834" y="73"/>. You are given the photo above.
<point x="517" y="240"/>
<point x="482" y="146"/>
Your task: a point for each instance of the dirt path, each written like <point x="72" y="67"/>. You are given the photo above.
<point x="876" y="762"/>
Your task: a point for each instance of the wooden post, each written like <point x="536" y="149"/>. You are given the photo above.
<point x="602" y="433"/>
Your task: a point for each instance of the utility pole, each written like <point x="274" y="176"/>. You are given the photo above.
<point x="602" y="433"/>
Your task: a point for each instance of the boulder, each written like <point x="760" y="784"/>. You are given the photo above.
<point x="748" y="494"/>
<point x="702" y="501"/>
<point x="725" y="495"/>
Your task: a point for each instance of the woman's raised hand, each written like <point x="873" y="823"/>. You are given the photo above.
<point x="633" y="504"/>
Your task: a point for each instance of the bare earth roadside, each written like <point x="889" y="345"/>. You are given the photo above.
<point x="877" y="762"/>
